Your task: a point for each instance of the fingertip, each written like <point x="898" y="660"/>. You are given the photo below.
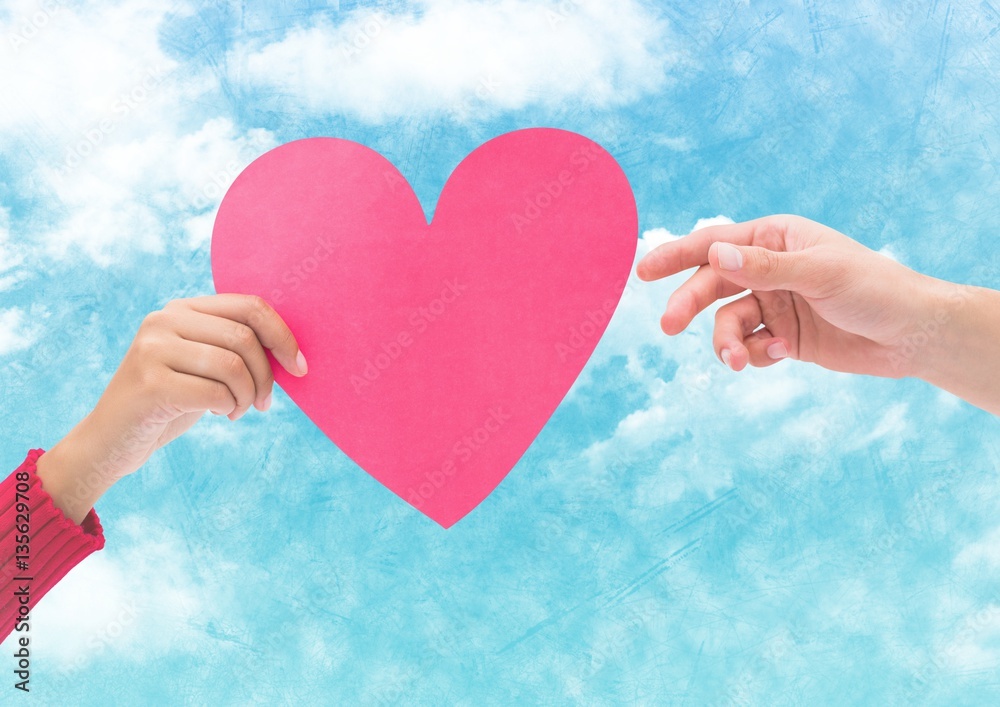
<point x="735" y="356"/>
<point x="646" y="269"/>
<point x="670" y="325"/>
<point x="777" y="350"/>
<point x="766" y="351"/>
<point x="713" y="261"/>
<point x="741" y="359"/>
<point x="264" y="404"/>
<point x="297" y="366"/>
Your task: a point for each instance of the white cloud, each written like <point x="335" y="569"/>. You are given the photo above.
<point x="474" y="58"/>
<point x="15" y="332"/>
<point x="122" y="149"/>
<point x="136" y="601"/>
<point x="130" y="192"/>
<point x="98" y="100"/>
<point x="974" y="642"/>
<point x="70" y="64"/>
<point x="984" y="553"/>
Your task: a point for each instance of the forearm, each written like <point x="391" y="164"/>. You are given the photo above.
<point x="71" y="475"/>
<point x="957" y="346"/>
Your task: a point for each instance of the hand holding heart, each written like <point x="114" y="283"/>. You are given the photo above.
<point x="193" y="356"/>
<point x="437" y="352"/>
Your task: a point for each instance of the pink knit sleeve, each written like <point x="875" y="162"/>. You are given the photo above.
<point x="55" y="544"/>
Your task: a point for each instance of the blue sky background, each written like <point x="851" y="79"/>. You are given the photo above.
<point x="678" y="533"/>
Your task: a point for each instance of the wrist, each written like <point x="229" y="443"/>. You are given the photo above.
<point x="943" y="331"/>
<point x="72" y="472"/>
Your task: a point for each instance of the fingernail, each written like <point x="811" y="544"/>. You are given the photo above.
<point x="730" y="258"/>
<point x="266" y="405"/>
<point x="777" y="350"/>
<point x="300" y="361"/>
<point x="726" y="355"/>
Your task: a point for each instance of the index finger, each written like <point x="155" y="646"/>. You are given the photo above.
<point x="256" y="313"/>
<point x="691" y="251"/>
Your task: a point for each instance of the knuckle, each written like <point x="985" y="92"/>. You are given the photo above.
<point x="242" y="336"/>
<point x="146" y="343"/>
<point x="257" y="308"/>
<point x="767" y="262"/>
<point x="153" y="320"/>
<point x="770" y="231"/>
<point x="222" y="396"/>
<point x="230" y="363"/>
<point x="726" y="320"/>
<point x="287" y="338"/>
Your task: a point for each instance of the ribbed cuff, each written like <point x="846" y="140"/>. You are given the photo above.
<point x="56" y="544"/>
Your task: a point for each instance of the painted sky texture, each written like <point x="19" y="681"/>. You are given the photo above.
<point x="678" y="533"/>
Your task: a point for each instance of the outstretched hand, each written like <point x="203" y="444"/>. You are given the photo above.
<point x="815" y="295"/>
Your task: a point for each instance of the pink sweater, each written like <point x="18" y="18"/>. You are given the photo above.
<point x="40" y="543"/>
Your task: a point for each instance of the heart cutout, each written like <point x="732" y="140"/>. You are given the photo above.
<point x="436" y="352"/>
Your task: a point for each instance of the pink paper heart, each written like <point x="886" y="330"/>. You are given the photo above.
<point x="436" y="352"/>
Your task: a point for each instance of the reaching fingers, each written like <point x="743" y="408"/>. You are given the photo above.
<point x="765" y="349"/>
<point x="694" y="296"/>
<point x="737" y="340"/>
<point x="817" y="271"/>
<point x="691" y="251"/>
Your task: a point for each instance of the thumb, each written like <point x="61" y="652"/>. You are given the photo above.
<point x="761" y="269"/>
